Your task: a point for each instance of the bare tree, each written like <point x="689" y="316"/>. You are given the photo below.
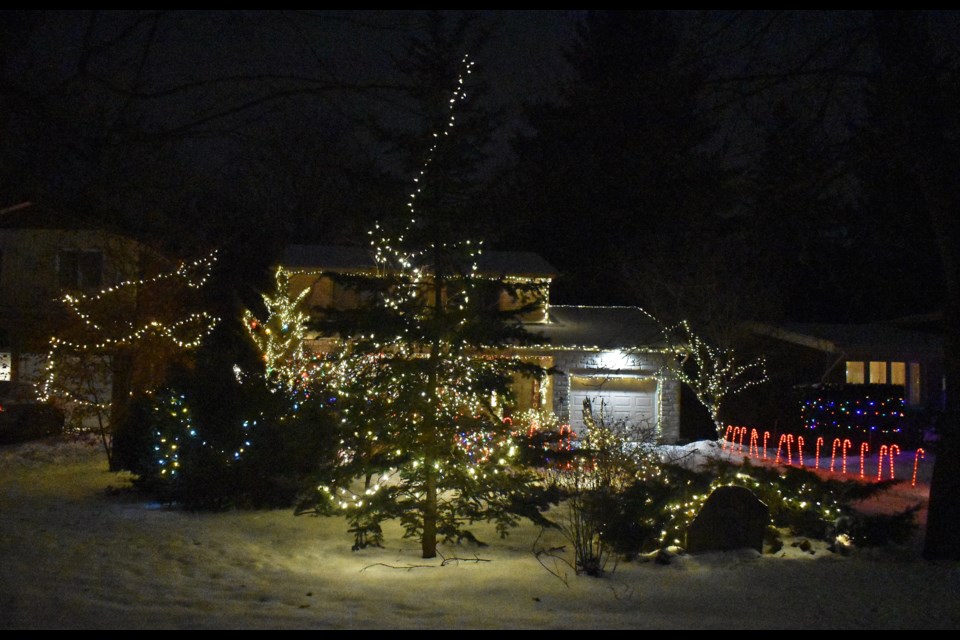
<point x="712" y="373"/>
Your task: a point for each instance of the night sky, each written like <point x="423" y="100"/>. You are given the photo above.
<point x="249" y="130"/>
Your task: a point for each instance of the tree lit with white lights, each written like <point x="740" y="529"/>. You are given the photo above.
<point x="419" y="392"/>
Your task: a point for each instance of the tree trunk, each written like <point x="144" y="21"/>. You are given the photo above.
<point x="121" y="435"/>
<point x="942" y="540"/>
<point x="943" y="515"/>
<point x="429" y="541"/>
<point x="920" y="109"/>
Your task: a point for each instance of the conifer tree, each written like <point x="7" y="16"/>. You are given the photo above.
<point x="421" y="380"/>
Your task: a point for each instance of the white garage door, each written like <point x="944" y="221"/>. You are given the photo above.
<point x="628" y="401"/>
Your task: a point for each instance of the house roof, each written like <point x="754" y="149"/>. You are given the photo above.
<point x="600" y="328"/>
<point x="873" y="338"/>
<point x="324" y="257"/>
<point x="29" y="215"/>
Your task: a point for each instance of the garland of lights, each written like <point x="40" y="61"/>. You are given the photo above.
<point x="185" y="333"/>
<point x="169" y="442"/>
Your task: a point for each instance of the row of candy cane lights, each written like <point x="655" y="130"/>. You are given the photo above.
<point x="788" y="442"/>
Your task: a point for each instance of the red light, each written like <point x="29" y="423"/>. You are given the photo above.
<point x="916" y="461"/>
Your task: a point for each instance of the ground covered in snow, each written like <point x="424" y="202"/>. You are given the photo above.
<point x="79" y="551"/>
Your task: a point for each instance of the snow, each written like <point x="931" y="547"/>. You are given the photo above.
<point x="79" y="551"/>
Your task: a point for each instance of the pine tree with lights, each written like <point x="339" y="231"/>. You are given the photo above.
<point x="418" y="382"/>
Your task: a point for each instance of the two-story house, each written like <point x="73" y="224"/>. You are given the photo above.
<point x="42" y="258"/>
<point x="611" y="357"/>
<point x="45" y="256"/>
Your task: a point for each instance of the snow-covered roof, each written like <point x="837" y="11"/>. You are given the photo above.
<point x="323" y="257"/>
<point x="599" y="328"/>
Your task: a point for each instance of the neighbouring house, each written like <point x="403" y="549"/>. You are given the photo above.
<point x="42" y="258"/>
<point x="610" y="357"/>
<point x="854" y="365"/>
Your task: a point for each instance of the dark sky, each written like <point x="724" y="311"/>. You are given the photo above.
<point x="208" y="113"/>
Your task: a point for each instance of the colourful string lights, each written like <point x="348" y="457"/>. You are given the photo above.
<point x="836" y="409"/>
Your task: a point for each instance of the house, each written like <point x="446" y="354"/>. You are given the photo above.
<point x="40" y="261"/>
<point x="608" y="356"/>
<point x="44" y="257"/>
<point x="877" y="353"/>
<point x="856" y="364"/>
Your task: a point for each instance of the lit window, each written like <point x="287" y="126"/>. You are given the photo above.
<point x="5" y="365"/>
<point x="914" y="390"/>
<point x="898" y="373"/>
<point x="854" y="372"/>
<point x="878" y="372"/>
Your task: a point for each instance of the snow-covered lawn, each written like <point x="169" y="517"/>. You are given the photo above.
<point x="75" y="553"/>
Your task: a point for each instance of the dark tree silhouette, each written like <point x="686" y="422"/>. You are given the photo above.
<point x="914" y="130"/>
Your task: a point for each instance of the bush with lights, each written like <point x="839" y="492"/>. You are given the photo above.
<point x="655" y="510"/>
<point x="228" y="436"/>
<point x="621" y="500"/>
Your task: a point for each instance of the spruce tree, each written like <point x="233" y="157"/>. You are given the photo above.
<point x="421" y="378"/>
<point x="618" y="172"/>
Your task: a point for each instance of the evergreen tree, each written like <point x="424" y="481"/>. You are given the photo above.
<point x="616" y="178"/>
<point x="913" y="134"/>
<point x="418" y="382"/>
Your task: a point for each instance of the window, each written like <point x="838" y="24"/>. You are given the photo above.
<point x="903" y="374"/>
<point x="898" y="373"/>
<point x="6" y="369"/>
<point x="855" y="372"/>
<point x="82" y="270"/>
<point x="914" y="394"/>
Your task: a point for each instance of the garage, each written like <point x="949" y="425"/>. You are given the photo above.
<point x="626" y="400"/>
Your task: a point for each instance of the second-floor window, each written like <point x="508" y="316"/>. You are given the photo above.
<point x="80" y="270"/>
